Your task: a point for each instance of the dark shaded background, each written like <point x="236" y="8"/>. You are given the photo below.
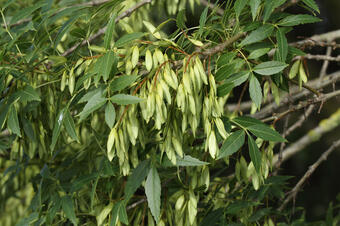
<point x="324" y="185"/>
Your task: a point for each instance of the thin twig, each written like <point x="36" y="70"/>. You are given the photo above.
<point x="289" y="130"/>
<point x="306" y="87"/>
<point x="101" y="31"/>
<point x="310" y="171"/>
<point x="312" y="43"/>
<point x="325" y="64"/>
<point x="299" y="122"/>
<point x="318" y="57"/>
<point x="133" y="205"/>
<point x="311" y="136"/>
<point x="296" y="94"/>
<point x="222" y="46"/>
<point x="322" y="98"/>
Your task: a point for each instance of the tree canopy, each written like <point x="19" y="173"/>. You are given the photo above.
<point x="118" y="112"/>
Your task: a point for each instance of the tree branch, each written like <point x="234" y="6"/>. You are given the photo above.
<point x="310" y="171"/>
<point x="222" y="46"/>
<point x="101" y="31"/>
<point x="313" y="135"/>
<point x="319" y="57"/>
<point x="323" y="98"/>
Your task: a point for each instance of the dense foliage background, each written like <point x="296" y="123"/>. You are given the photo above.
<point x="167" y="112"/>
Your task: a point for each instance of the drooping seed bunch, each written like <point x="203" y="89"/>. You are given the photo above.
<point x="176" y="101"/>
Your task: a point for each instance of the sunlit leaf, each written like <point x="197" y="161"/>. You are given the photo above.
<point x="124" y="99"/>
<point x="110" y="114"/>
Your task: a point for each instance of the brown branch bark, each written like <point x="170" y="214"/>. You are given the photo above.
<point x="319" y="57"/>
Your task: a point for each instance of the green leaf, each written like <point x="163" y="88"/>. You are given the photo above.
<point x="94" y="103"/>
<point x="224" y="89"/>
<point x="282" y="44"/>
<point x="153" y="193"/>
<point x="119" y="212"/>
<point x="122" y="82"/>
<point x="294" y="69"/>
<point x="104" y="213"/>
<point x="180" y="19"/>
<point x="232" y="144"/>
<point x="69" y="125"/>
<point x="312" y="4"/>
<point x="269" y="7"/>
<point x="124" y="99"/>
<point x="294" y="20"/>
<point x="255" y="154"/>
<point x="239" y="5"/>
<point x="66" y="26"/>
<point x="110" y="115"/>
<point x="258" y="53"/>
<point x="187" y="160"/>
<point x="258" y="35"/>
<point x="266" y="133"/>
<point x="68" y="208"/>
<point x="203" y="19"/>
<point x="3" y="113"/>
<point x="128" y="38"/>
<point x="270" y="67"/>
<point x="136" y="178"/>
<point x="30" y="220"/>
<point x="13" y="121"/>
<point x="25" y="12"/>
<point x="28" y="93"/>
<point x="238" y="78"/>
<point x="97" y="91"/>
<point x="255" y="91"/>
<point x="57" y="127"/>
<point x="105" y="64"/>
<point x="152" y="29"/>
<point x="82" y="181"/>
<point x="246" y="121"/>
<point x="28" y="129"/>
<point x="254" y="6"/>
<point x="109" y="31"/>
<point x="224" y="72"/>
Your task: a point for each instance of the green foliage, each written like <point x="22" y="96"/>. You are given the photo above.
<point x="101" y="127"/>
